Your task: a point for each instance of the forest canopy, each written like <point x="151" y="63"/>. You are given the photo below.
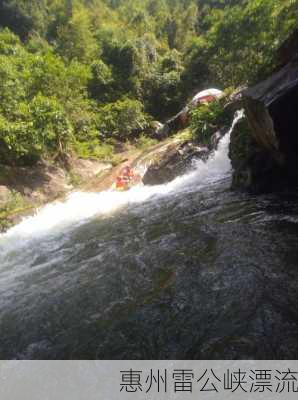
<point x="78" y="75"/>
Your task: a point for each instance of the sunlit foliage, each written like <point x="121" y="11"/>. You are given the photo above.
<point x="76" y="73"/>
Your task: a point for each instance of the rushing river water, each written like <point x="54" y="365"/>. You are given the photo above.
<point x="184" y="270"/>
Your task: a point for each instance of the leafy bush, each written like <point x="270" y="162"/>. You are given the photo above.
<point x="95" y="150"/>
<point x="123" y="119"/>
<point x="207" y="118"/>
<point x="161" y="93"/>
<point x="9" y="42"/>
<point x="42" y="102"/>
<point x="39" y="127"/>
<point x="100" y="85"/>
<point x="51" y="127"/>
<point x="76" y="73"/>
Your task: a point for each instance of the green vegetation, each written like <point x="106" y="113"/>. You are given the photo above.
<point x="122" y="119"/>
<point x="208" y="118"/>
<point x="237" y="40"/>
<point x="16" y="203"/>
<point x="78" y="75"/>
<point x="145" y="142"/>
<point x="16" y="200"/>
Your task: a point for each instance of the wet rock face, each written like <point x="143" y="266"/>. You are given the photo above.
<point x="175" y="161"/>
<point x="271" y="110"/>
<point x="254" y="168"/>
<point x="268" y="140"/>
<point x="283" y="112"/>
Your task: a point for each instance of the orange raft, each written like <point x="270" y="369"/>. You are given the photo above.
<point x="126" y="179"/>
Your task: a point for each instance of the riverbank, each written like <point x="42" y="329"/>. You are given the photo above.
<point x="24" y="190"/>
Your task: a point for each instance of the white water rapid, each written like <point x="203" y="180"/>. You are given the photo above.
<point x="81" y="206"/>
<point x="154" y="273"/>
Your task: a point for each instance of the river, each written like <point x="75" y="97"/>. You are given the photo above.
<point x="186" y="270"/>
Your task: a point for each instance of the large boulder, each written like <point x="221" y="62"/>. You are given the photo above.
<point x="268" y="139"/>
<point x="271" y="108"/>
<point x="174" y="160"/>
<point x="254" y="169"/>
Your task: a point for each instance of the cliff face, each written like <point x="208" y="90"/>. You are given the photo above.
<point x="264" y="147"/>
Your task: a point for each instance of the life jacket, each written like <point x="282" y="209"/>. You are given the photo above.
<point x="120" y="183"/>
<point x="124" y="178"/>
<point x="127" y="173"/>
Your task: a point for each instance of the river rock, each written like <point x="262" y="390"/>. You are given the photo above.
<point x="173" y="161"/>
<point x="162" y="132"/>
<point x="88" y="169"/>
<point x="215" y="138"/>
<point x="176" y="157"/>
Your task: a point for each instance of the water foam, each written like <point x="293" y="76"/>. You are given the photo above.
<point x="82" y="206"/>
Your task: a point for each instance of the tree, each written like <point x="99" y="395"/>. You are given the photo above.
<point x="75" y="39"/>
<point x="101" y="84"/>
<point x="101" y="66"/>
<point x="122" y="120"/>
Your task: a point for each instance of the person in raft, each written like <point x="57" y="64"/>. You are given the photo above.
<point x="124" y="178"/>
